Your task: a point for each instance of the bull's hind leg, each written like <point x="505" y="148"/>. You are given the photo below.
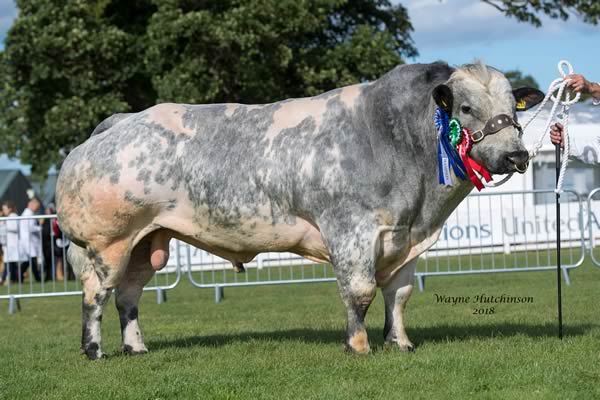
<point x="100" y="273"/>
<point x="128" y="293"/>
<point x="395" y="295"/>
<point x="94" y="299"/>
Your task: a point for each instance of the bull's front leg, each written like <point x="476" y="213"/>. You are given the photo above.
<point x="354" y="265"/>
<point x="396" y="294"/>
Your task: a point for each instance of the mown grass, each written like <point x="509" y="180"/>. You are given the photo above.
<point x="285" y="342"/>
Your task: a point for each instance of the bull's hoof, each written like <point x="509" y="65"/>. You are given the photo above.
<point x="350" y="350"/>
<point x="92" y="351"/>
<point x="406" y="346"/>
<point x="128" y="350"/>
<point x="358" y="344"/>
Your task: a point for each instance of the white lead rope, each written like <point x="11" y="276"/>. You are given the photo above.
<point x="558" y="85"/>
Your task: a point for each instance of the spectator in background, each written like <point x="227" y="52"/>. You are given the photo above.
<point x="61" y="244"/>
<point x="54" y="246"/>
<point x="2" y="249"/>
<point x="47" y="243"/>
<point x="12" y="250"/>
<point x="31" y="238"/>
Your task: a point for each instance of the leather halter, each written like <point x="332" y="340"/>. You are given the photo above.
<point x="494" y="125"/>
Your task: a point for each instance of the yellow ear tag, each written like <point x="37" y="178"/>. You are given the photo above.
<point x="521" y="105"/>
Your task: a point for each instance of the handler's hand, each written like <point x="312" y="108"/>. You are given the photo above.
<point x="579" y="84"/>
<point x="556" y="135"/>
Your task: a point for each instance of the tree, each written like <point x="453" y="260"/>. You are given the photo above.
<point x="517" y="79"/>
<point x="65" y="67"/>
<point x="68" y="65"/>
<point x="528" y="10"/>
<point x="268" y="50"/>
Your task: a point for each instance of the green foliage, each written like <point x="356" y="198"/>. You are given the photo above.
<point x="517" y="79"/>
<point x="268" y="50"/>
<point x="64" y="68"/>
<point x="68" y="65"/>
<point x="528" y="10"/>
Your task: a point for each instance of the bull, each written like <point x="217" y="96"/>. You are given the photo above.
<point x="348" y="177"/>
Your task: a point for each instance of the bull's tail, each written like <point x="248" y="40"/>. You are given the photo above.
<point x="77" y="257"/>
<point x="109" y="122"/>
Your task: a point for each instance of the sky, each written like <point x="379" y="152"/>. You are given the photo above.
<point x="460" y="31"/>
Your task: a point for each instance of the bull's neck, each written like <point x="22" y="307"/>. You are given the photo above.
<point x="413" y="134"/>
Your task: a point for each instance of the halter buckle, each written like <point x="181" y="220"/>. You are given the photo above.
<point x="477" y="136"/>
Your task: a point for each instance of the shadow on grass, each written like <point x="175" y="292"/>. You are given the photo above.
<point x="419" y="335"/>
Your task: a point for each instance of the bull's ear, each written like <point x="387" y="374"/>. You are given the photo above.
<point x="443" y="98"/>
<point x="527" y="97"/>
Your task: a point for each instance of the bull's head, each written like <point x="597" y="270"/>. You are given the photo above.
<point x="482" y="99"/>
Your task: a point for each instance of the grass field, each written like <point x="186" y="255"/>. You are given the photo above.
<point x="285" y="342"/>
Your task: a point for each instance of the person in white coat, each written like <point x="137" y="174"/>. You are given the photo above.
<point x="31" y="238"/>
<point x="13" y="256"/>
<point x="3" y="266"/>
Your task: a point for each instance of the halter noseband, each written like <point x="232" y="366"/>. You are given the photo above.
<point x="494" y="125"/>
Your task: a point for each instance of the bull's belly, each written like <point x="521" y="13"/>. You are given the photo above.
<point x="253" y="235"/>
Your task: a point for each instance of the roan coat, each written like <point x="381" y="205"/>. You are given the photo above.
<point x="347" y="177"/>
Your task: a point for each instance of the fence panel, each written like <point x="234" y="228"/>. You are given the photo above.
<point x="593" y="225"/>
<point x="208" y="271"/>
<point x="507" y="232"/>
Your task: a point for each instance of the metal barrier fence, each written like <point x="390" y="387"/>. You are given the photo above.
<point x="487" y="233"/>
<point x="208" y="271"/>
<point x="35" y="263"/>
<point x="507" y="232"/>
<point x="593" y="228"/>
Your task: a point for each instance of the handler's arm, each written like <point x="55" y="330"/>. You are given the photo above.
<point x="595" y="92"/>
<point x="588" y="153"/>
<point x="581" y="85"/>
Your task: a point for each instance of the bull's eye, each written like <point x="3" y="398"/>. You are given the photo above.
<point x="465" y="109"/>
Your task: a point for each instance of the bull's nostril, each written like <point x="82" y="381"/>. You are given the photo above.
<point x="521" y="168"/>
<point x="519" y="160"/>
<point x="518" y="157"/>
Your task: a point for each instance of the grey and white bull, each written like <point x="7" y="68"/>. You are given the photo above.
<point x="348" y="177"/>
